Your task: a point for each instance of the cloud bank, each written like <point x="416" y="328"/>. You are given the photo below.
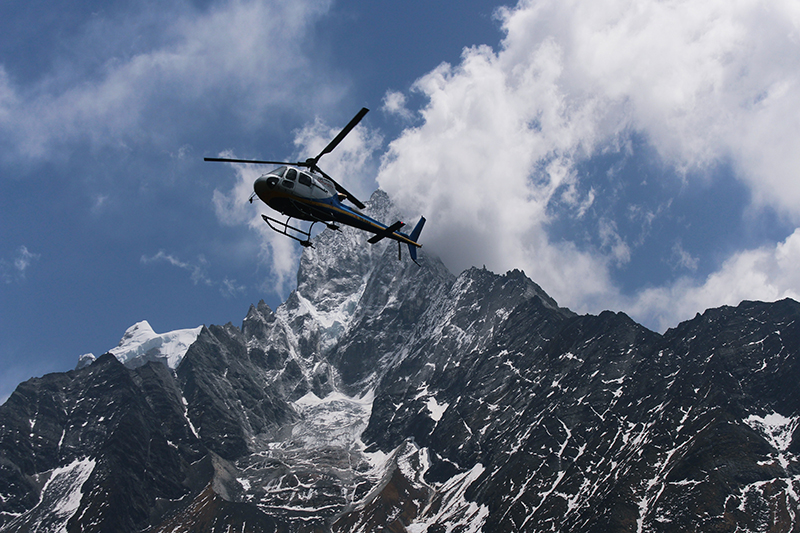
<point x="502" y="136"/>
<point x="498" y="150"/>
<point x="768" y="273"/>
<point x="158" y="69"/>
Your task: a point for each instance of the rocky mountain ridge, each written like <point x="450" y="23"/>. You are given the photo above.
<point x="386" y="396"/>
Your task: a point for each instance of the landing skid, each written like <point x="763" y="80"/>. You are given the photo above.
<point x="283" y="228"/>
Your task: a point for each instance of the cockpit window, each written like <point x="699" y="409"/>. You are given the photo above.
<point x="304" y="179"/>
<point x="288" y="184"/>
<point x="278" y="171"/>
<point x="291" y="174"/>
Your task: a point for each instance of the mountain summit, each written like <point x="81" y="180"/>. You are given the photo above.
<point x="383" y="396"/>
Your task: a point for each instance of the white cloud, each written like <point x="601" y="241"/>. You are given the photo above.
<point x="503" y="131"/>
<point x="197" y="270"/>
<point x="613" y="242"/>
<point x="394" y="103"/>
<point x="683" y="259"/>
<point x="230" y="288"/>
<point x="98" y="203"/>
<point x="227" y="53"/>
<point x="15" y="268"/>
<point x="708" y="81"/>
<point x="497" y="144"/>
<point x="767" y="273"/>
<point x="23" y="259"/>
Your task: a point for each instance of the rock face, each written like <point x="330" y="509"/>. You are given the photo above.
<point x="383" y="396"/>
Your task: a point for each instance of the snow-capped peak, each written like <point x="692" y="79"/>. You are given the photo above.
<point x="141" y="344"/>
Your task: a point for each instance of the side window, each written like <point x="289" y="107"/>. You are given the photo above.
<point x="304" y="179"/>
<point x="291" y="174"/>
<point x="288" y="184"/>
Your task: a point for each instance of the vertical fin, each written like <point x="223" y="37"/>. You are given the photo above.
<point x="412" y="250"/>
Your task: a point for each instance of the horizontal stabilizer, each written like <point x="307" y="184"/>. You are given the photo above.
<point x="385" y="233"/>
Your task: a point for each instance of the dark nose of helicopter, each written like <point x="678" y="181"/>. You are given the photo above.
<point x="264" y="185"/>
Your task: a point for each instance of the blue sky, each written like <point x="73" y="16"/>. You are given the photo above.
<point x="634" y="156"/>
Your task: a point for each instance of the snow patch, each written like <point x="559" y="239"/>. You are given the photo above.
<point x="436" y="409"/>
<point x="60" y="499"/>
<point x="85" y="360"/>
<point x="141" y="344"/>
<point x="186" y="417"/>
<point x="414" y="462"/>
<point x="455" y="509"/>
<point x="332" y="317"/>
<point x="776" y="428"/>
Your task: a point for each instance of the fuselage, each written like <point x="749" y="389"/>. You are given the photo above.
<point x="302" y="195"/>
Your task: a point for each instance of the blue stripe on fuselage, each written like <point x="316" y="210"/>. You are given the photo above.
<point x="346" y="215"/>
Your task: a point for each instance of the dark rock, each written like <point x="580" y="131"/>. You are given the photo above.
<point x="386" y="396"/>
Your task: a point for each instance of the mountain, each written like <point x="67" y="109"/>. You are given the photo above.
<point x="383" y="396"/>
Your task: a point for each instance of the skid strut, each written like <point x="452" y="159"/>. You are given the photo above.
<point x="284" y="227"/>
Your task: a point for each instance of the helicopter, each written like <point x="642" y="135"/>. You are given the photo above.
<point x="301" y="190"/>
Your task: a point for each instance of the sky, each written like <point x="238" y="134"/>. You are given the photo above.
<point x="639" y="156"/>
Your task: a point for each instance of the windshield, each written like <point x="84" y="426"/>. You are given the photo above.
<point x="278" y="171"/>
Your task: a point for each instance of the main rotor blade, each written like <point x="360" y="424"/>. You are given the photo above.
<point x="226" y="160"/>
<point x="342" y="134"/>
<point x="342" y="190"/>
